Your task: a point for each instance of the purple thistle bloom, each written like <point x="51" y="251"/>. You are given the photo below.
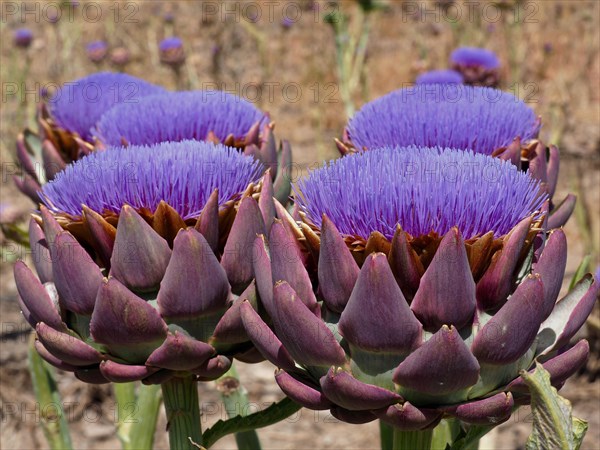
<point x="177" y="116"/>
<point x="170" y="43"/>
<point x="183" y="174"/>
<point x="440" y="77"/>
<point x="78" y="105"/>
<point x="96" y="46"/>
<point x="454" y="116"/>
<point x="96" y="51"/>
<point x="474" y="56"/>
<point x="23" y="37"/>
<point x="422" y="190"/>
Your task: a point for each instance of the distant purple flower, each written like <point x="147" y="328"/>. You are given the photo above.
<point x="548" y="47"/>
<point x="183" y="174"/>
<point x="597" y="274"/>
<point x="23" y="37"/>
<point x="96" y="51"/>
<point x="422" y="189"/>
<point x="120" y="57"/>
<point x="440" y="77"/>
<point x="287" y="23"/>
<point x="78" y="105"/>
<point x="177" y="116"/>
<point x="474" y="56"/>
<point x="169" y="17"/>
<point x="170" y="43"/>
<point x="456" y="116"/>
<point x="171" y="52"/>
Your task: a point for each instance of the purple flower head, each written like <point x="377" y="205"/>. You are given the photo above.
<point x="445" y="115"/>
<point x="287" y="23"/>
<point x="96" y="46"/>
<point x="170" y="43"/>
<point x="597" y="274"/>
<point x="440" y="77"/>
<point x="23" y="37"/>
<point x="78" y="105"/>
<point x="183" y="174"/>
<point x="474" y="56"/>
<point x="96" y="51"/>
<point x="422" y="190"/>
<point x="177" y="116"/>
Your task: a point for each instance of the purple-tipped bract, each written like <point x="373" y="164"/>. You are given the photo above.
<point x="422" y="190"/>
<point x="178" y="116"/>
<point x="454" y="116"/>
<point x="475" y="56"/>
<point x="183" y="174"/>
<point x="440" y="77"/>
<point x="78" y="105"/>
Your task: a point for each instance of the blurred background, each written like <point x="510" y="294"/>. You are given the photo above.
<point x="310" y="64"/>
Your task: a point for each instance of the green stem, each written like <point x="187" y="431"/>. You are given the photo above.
<point x="412" y="440"/>
<point x="183" y="413"/>
<point x="148" y="405"/>
<point x="386" y="433"/>
<point x="137" y="414"/>
<point x="236" y="403"/>
<point x="125" y="399"/>
<point x="52" y="417"/>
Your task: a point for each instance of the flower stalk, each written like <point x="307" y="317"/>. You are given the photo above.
<point x="183" y="412"/>
<point x="412" y="440"/>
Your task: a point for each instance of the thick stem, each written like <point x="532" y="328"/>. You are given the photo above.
<point x="183" y="413"/>
<point x="412" y="440"/>
<point x="386" y="435"/>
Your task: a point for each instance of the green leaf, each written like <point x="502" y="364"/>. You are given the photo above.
<point x="553" y="425"/>
<point x="275" y="413"/>
<point x="52" y="417"/>
<point x="469" y="439"/>
<point x="582" y="269"/>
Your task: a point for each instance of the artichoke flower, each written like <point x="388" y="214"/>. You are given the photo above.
<point x="133" y="284"/>
<point x="215" y="116"/>
<point x="433" y="288"/>
<point x="478" y="66"/>
<point x="64" y="128"/>
<point x="484" y="120"/>
<point x="440" y="77"/>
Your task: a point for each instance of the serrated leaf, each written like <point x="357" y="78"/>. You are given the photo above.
<point x="275" y="413"/>
<point x="553" y="425"/>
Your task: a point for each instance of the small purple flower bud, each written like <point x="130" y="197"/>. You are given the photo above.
<point x="96" y="51"/>
<point x="120" y="57"/>
<point x="473" y="56"/>
<point x="287" y="23"/>
<point x="171" y="51"/>
<point x="23" y="37"/>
